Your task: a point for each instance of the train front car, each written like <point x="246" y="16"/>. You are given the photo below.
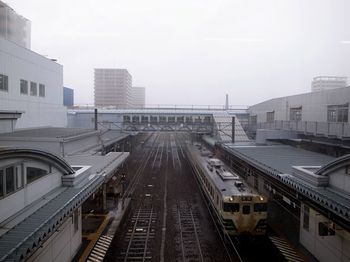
<point x="239" y="209"/>
<point x="244" y="214"/>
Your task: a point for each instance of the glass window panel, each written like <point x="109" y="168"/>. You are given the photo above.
<point x="1" y="183"/>
<point x="10" y="179"/>
<point x="338" y="113"/>
<point x="295" y="114"/>
<point x="33" y="89"/>
<point x="3" y="82"/>
<point x="231" y="207"/>
<point x="270" y="116"/>
<point x="41" y="90"/>
<point x="34" y="173"/>
<point x="24" y="87"/>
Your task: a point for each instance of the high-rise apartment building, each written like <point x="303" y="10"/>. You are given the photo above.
<point x="138" y="97"/>
<point x="13" y="27"/>
<point x="113" y="87"/>
<point x="321" y="83"/>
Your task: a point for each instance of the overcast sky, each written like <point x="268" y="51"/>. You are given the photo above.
<point x="195" y="51"/>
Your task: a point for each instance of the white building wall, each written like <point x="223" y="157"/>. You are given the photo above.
<point x="29" y="193"/>
<point x="314" y="105"/>
<point x="324" y="248"/>
<point x="340" y="181"/>
<point x="63" y="244"/>
<point x="19" y="63"/>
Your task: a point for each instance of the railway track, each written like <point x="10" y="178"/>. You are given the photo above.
<point x="187" y="225"/>
<point x="165" y="222"/>
<point x="140" y="233"/>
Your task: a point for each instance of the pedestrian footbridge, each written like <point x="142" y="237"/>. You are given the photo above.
<point x="214" y="122"/>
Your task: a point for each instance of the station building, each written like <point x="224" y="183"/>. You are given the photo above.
<point x="59" y="179"/>
<point x="322" y="114"/>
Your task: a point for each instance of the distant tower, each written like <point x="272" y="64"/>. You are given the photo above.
<point x="226" y="104"/>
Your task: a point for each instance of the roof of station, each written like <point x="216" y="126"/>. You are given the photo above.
<point x="277" y="161"/>
<point x="279" y="158"/>
<point x="48" y="132"/>
<point x="27" y="235"/>
<point x="63" y="141"/>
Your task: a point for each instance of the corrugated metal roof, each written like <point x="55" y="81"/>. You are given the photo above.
<point x="281" y="157"/>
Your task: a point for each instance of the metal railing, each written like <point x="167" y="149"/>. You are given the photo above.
<point x="326" y="129"/>
<point x="165" y="106"/>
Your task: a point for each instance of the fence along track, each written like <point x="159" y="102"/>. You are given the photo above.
<point x="188" y="227"/>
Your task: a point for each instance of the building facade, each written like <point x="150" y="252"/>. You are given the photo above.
<point x="14" y="27"/>
<point x="31" y="84"/>
<point x="321" y="83"/>
<point x="112" y="87"/>
<point x="138" y="97"/>
<point x="327" y="106"/>
<point x="68" y="96"/>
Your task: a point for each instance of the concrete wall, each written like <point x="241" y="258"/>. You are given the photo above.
<point x="63" y="244"/>
<point x="340" y="181"/>
<point x="314" y="105"/>
<point x="19" y="63"/>
<point x="324" y="248"/>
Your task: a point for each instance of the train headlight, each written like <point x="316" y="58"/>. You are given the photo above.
<point x="261" y="198"/>
<point x="231" y="199"/>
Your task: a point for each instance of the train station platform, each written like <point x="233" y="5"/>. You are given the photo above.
<point x="100" y="230"/>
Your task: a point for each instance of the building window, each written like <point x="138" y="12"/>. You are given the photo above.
<point x="1" y="183"/>
<point x="33" y="89"/>
<point x="24" y="87"/>
<point x="270" y="116"/>
<point x="295" y="114"/>
<point x="338" y="113"/>
<point x="4" y="82"/>
<point x="306" y="219"/>
<point x="10" y="179"/>
<point x="41" y="90"/>
<point x="34" y="173"/>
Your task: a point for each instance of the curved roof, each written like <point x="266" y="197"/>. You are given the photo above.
<point x="335" y="164"/>
<point x="54" y="160"/>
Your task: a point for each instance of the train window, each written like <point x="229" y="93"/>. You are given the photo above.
<point x="260" y="207"/>
<point x="231" y="207"/>
<point x="246" y="210"/>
